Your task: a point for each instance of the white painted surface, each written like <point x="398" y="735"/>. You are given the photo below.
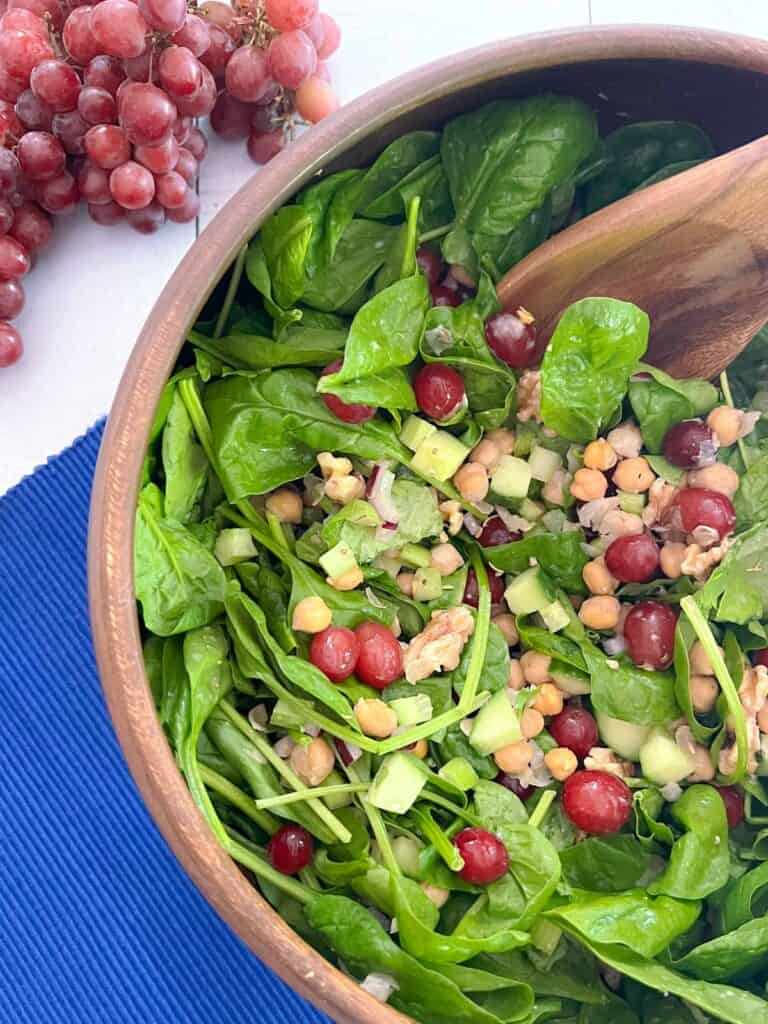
<point x="92" y="290"/>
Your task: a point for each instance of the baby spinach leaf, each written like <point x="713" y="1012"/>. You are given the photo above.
<point x="745" y="898"/>
<point x="384" y="333"/>
<point x="574" y="976"/>
<point x="751" y="499"/>
<point x="429" y="182"/>
<point x="272" y="593"/>
<point x="586" y="368"/>
<point x="699" y="861"/>
<point x="737" y="590"/>
<point x="659" y="401"/>
<point x="615" y="1011"/>
<point x="534" y="871"/>
<point x="529" y="146"/>
<point x="558" y="828"/>
<point x="606" y="863"/>
<point x="152" y="653"/>
<point x="498" y="808"/>
<point x="365" y="948"/>
<point x="456" y="744"/>
<point x="637" y="151"/>
<point x="300" y="346"/>
<point x="179" y="583"/>
<point x="628" y="692"/>
<point x="668" y="171"/>
<point x="316" y="201"/>
<point x="495" y="673"/>
<point x="560" y="555"/>
<point x="338" y="283"/>
<point x="557" y="646"/>
<point x="656" y="1008"/>
<point x="401" y="258"/>
<point x="268" y="428"/>
<point x="644" y="923"/>
<point x="389" y="389"/>
<point x="648" y="806"/>
<point x="399" y="164"/>
<point x="513" y="1000"/>
<point x="739" y="954"/>
<point x="184" y="464"/>
<point x="684" y="638"/>
<point x="502" y="252"/>
<point x="285" y="238"/>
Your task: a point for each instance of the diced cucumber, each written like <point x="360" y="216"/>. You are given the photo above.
<point x="526" y="435"/>
<point x="544" y="463"/>
<point x="412" y="710"/>
<point x="406" y="851"/>
<point x="529" y="593"/>
<point x="398" y="782"/>
<point x="545" y="936"/>
<point x="555" y="616"/>
<point x="459" y="772"/>
<point x="554" y="520"/>
<point x="415" y="555"/>
<point x="415" y="430"/>
<point x="625" y="738"/>
<point x="496" y="725"/>
<point x="338" y="561"/>
<point x="391" y="566"/>
<point x="662" y="760"/>
<point x="545" y="742"/>
<point x="570" y="680"/>
<point x="233" y="546"/>
<point x="285" y="717"/>
<point x="634" y="503"/>
<point x="531" y="510"/>
<point x="440" y="455"/>
<point x="427" y="585"/>
<point x="340" y="799"/>
<point x="512" y="477"/>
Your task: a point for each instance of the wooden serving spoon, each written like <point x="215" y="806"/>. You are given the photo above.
<point x="692" y="251"/>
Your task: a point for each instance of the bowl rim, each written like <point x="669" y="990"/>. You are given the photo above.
<point x="110" y="548"/>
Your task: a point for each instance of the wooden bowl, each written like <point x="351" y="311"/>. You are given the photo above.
<point x="719" y="81"/>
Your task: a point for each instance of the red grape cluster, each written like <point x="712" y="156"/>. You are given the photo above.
<point x="98" y="102"/>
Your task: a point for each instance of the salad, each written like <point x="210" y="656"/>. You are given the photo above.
<point x="461" y="640"/>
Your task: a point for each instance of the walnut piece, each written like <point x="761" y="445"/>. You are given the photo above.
<point x="699" y="563"/>
<point x="529" y="396"/>
<point x="603" y="759"/>
<point x="439" y="645"/>
<point x="660" y="498"/>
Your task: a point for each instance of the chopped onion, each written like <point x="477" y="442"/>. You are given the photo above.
<point x="284" y="747"/>
<point x="380" y="493"/>
<point x="574" y="458"/>
<point x="614" y="645"/>
<point x="257" y="717"/>
<point x="348" y="752"/>
<point x="514" y="523"/>
<point x="671" y="792"/>
<point x="438" y="339"/>
<point x="380" y="986"/>
<point x="311" y="729"/>
<point x="374" y="599"/>
<point x="592" y="513"/>
<point x="705" y="536"/>
<point x="385" y="534"/>
<point x="471" y="525"/>
<point x="484" y="507"/>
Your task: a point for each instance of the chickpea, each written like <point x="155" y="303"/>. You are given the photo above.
<point x="699" y="659"/>
<point x="549" y="700"/>
<point x="704" y="693"/>
<point x="344" y="489"/>
<point x="531" y="723"/>
<point x="313" y="762"/>
<point x="487" y="453"/>
<point x="626" y="440"/>
<point x="633" y="475"/>
<point x="438" y="896"/>
<point x="514" y="758"/>
<point x="597" y="578"/>
<point x="404" y="582"/>
<point x="516" y="679"/>
<point x="600" y="455"/>
<point x="311" y="615"/>
<point x="717" y="477"/>
<point x="375" y="718"/>
<point x="703" y="769"/>
<point x="555" y="489"/>
<point x="332" y="466"/>
<point x="726" y="424"/>
<point x="535" y="668"/>
<point x="589" y="484"/>
<point x="419" y="749"/>
<point x="671" y="558"/>
<point x="471" y="481"/>
<point x="762" y="719"/>
<point x="600" y="612"/>
<point x="285" y="504"/>
<point x="506" y="623"/>
<point x="561" y="762"/>
<point x="347" y="581"/>
<point x="505" y="439"/>
<point x="446" y="559"/>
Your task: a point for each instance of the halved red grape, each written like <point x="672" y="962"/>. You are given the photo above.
<point x="349" y="412"/>
<point x="596" y="802"/>
<point x="442" y="295"/>
<point x="495" y="532"/>
<point x="575" y="729"/>
<point x="733" y="798"/>
<point x="495" y="585"/>
<point x="430" y="263"/>
<point x="690" y="444"/>
<point x="290" y="849"/>
<point x="514" y="785"/>
<point x="512" y="340"/>
<point x="702" y="507"/>
<point x="633" y="559"/>
<point x="649" y="633"/>
<point x="380" y="659"/>
<point x="335" y="652"/>
<point x="439" y="390"/>
<point x="485" y="856"/>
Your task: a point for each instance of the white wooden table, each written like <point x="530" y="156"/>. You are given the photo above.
<point x="93" y="288"/>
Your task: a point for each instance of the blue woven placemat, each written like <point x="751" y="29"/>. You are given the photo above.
<point x="98" y="923"/>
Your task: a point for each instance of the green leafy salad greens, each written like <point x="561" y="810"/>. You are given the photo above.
<point x="461" y="644"/>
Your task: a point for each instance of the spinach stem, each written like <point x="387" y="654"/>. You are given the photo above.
<point x="430" y="236"/>
<point x="306" y="794"/>
<point x="229" y="298"/>
<point x="381" y="836"/>
<point x="482" y="629"/>
<point x="263" y="869"/>
<point x="427" y="729"/>
<point x="324" y="814"/>
<point x="238" y="799"/>
<point x="702" y="630"/>
<point x="725" y="387"/>
<point x="447" y="805"/>
<point x="434" y="834"/>
<point x="541" y="809"/>
<point x="191" y="398"/>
